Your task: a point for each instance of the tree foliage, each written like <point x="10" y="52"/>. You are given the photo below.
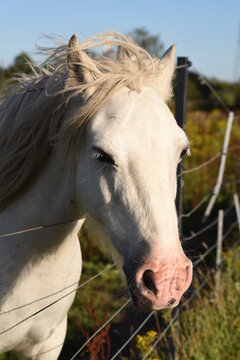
<point x="21" y="64"/>
<point x="152" y="43"/>
<point x="200" y="97"/>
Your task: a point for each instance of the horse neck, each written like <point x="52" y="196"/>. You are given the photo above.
<point x="49" y="200"/>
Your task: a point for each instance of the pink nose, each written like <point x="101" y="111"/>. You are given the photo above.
<point x="161" y="286"/>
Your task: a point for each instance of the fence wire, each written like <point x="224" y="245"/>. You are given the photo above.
<point x="202" y="257"/>
<point x="49" y="305"/>
<point x="133" y="335"/>
<point x="204" y="81"/>
<point x="36" y="228"/>
<point x="175" y="317"/>
<point x="207" y="227"/>
<point x="207" y="162"/>
<point x="101" y="328"/>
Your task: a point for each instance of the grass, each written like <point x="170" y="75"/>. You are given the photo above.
<point x="209" y="328"/>
<point x="93" y="305"/>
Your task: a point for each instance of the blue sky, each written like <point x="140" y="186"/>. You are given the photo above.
<point x="206" y="31"/>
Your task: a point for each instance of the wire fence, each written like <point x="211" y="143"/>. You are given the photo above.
<point x="50" y="304"/>
<point x="56" y="293"/>
<point x="194" y="234"/>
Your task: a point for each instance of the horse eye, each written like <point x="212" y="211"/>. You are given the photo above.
<point x="183" y="153"/>
<point x="102" y="156"/>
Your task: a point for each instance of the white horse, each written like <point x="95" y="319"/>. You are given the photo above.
<point x="87" y="136"/>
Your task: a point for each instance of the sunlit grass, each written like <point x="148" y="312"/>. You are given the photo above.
<point x="209" y="328"/>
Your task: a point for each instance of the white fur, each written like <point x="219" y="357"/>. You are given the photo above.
<point x="134" y="202"/>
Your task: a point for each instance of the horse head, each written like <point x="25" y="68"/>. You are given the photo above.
<point x="129" y="156"/>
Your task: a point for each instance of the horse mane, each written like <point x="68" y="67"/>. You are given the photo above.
<point x="51" y="105"/>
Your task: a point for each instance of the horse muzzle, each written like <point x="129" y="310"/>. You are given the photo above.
<point x="160" y="284"/>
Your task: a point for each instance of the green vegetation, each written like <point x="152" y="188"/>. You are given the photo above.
<point x="21" y="64"/>
<point x="94" y="303"/>
<point x="149" y="42"/>
<point x="206" y="134"/>
<point x="92" y="307"/>
<point x="200" y="96"/>
<point x="209" y="328"/>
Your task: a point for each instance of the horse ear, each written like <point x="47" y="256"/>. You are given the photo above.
<point x="168" y="63"/>
<point x="79" y="64"/>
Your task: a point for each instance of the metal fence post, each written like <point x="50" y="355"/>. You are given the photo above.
<point x="180" y="115"/>
<point x="219" y="251"/>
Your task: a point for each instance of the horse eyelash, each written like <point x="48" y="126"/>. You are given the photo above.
<point x="106" y="158"/>
<point x="185" y="151"/>
<point x="188" y="151"/>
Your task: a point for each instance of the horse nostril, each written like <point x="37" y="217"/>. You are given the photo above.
<point x="148" y="281"/>
<point x="171" y="302"/>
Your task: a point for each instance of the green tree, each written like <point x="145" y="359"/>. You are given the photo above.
<point x="152" y="43"/>
<point x="21" y="65"/>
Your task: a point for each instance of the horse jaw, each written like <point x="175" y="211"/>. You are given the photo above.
<point x="98" y="234"/>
